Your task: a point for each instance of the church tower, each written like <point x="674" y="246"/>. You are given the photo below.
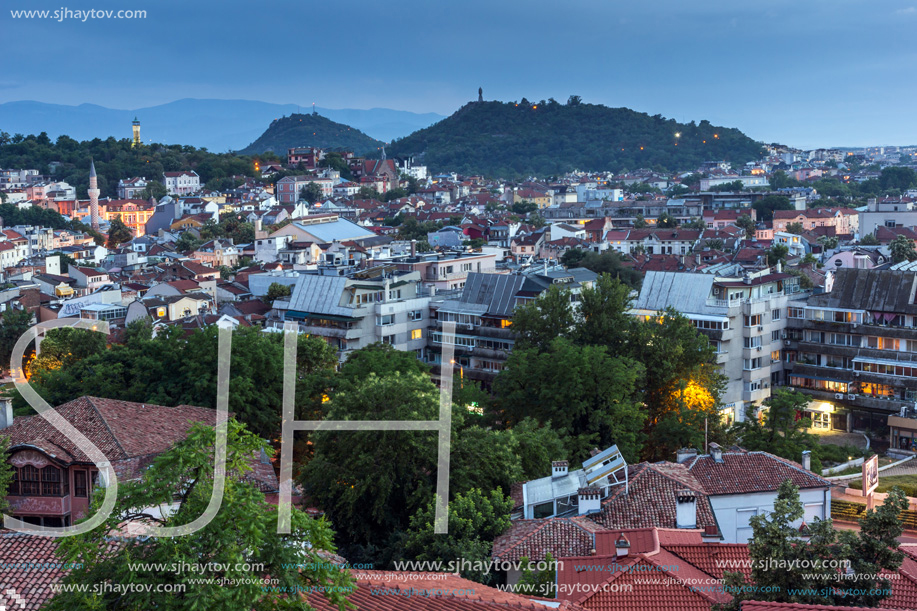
<point x="136" y="127"/>
<point x="93" y="196"/>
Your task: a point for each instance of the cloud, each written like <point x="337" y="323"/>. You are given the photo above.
<point x="911" y="10"/>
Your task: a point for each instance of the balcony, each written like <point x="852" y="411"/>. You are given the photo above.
<point x="497" y="332"/>
<point x="487" y="353"/>
<point x="39" y="505"/>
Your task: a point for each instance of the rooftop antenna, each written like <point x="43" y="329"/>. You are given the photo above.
<point x="313" y="109"/>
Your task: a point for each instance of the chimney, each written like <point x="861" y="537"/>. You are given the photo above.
<point x="559" y="468"/>
<point x="622" y="546"/>
<point x="685" y="509"/>
<point x="716" y="452"/>
<point x="871" y="204"/>
<point x="589" y="500"/>
<point x="807" y="460"/>
<point x="413" y="248"/>
<point x="685" y="454"/>
<point x="6" y="413"/>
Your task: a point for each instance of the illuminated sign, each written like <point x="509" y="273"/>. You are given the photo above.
<point x="871" y="475"/>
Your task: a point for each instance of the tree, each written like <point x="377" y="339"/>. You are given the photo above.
<point x="796" y="228"/>
<point x="695" y="223"/>
<point x="602" y="318"/>
<point x="118" y="233"/>
<point x="582" y="392"/>
<point x="639" y="222"/>
<point x="187" y="242"/>
<point x="714" y="244"/>
<point x="476" y="518"/>
<point x="372" y="501"/>
<point x="747" y="223"/>
<point x="897" y="177"/>
<point x="822" y="565"/>
<point x="828" y="242"/>
<point x="780" y="432"/>
<point x="735" y="185"/>
<point x="537" y="447"/>
<point x="6" y="473"/>
<point x="277" y="291"/>
<point x="13" y="323"/>
<point x="681" y="385"/>
<point x="312" y="192"/>
<point x="765" y="207"/>
<point x="776" y="254"/>
<point x="537" y="322"/>
<point x="154" y="189"/>
<point x="538" y="582"/>
<point x="612" y="263"/>
<point x="63" y="347"/>
<point x="902" y="249"/>
<point x="679" y="190"/>
<point x="241" y="537"/>
<point x="666" y="221"/>
<point x="573" y="100"/>
<point x="869" y="240"/>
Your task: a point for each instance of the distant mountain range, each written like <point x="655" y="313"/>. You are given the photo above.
<point x="521" y="139"/>
<point x="312" y="130"/>
<point x="218" y="125"/>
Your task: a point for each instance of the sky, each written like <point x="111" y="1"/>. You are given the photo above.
<point x="807" y="73"/>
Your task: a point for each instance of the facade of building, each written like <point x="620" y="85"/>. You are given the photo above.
<point x="185" y="182"/>
<point x="853" y="350"/>
<point x="744" y="318"/>
<point x="380" y="304"/>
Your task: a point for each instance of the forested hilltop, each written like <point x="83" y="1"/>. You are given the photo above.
<point x="547" y="138"/>
<point x="301" y="130"/>
<point x="115" y="159"/>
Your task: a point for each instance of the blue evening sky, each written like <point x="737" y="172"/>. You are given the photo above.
<point x="802" y="72"/>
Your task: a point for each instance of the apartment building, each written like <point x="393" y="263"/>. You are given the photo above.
<point x="853" y="350"/>
<point x="380" y="304"/>
<point x="447" y="271"/>
<point x="483" y="313"/>
<point x="744" y="317"/>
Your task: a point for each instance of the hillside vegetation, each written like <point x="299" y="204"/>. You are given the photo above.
<point x="512" y="139"/>
<point x="300" y="130"/>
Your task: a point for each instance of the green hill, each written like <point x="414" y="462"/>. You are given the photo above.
<point x="311" y="130"/>
<point x="509" y="139"/>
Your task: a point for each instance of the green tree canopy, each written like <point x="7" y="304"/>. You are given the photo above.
<point x="765" y="207"/>
<point x="118" y="233"/>
<point x="242" y="537"/>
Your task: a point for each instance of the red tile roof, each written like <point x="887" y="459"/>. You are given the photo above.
<point x="28" y="566"/>
<point x="120" y="429"/>
<point x="650" y="500"/>
<point x="533" y="539"/>
<point x="755" y="605"/>
<point x="749" y="472"/>
<point x="402" y="591"/>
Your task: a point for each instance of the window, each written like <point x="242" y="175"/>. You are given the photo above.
<point x="29" y="481"/>
<point x="775" y="336"/>
<point x="388" y="319"/>
<point x="394" y="294"/>
<point x="79" y="484"/>
<point x="388" y="339"/>
<point x="775" y="314"/>
<point x="751" y="364"/>
<point x="416" y="334"/>
<point x="415" y="314"/>
<point x="50" y="481"/>
<point x="544" y="510"/>
<point x="753" y="321"/>
<point x="775" y="356"/>
<point x="752" y="342"/>
<point x="796" y="312"/>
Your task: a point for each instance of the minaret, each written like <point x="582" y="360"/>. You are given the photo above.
<point x="480" y="94"/>
<point x="136" y="126"/>
<point x="93" y="196"/>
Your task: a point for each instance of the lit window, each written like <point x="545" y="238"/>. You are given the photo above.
<point x="416" y="334"/>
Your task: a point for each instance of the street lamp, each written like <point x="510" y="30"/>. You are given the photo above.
<point x="461" y="373"/>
